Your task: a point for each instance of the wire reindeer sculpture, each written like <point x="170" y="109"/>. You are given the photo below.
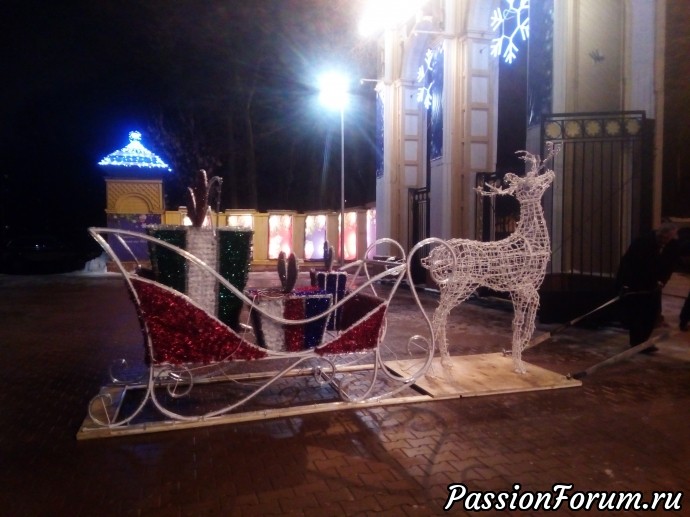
<point x="516" y="264"/>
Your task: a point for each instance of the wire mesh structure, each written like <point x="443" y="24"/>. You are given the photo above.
<point x="187" y="349"/>
<point x="516" y="264"/>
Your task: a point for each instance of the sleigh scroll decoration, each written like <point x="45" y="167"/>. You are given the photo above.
<point x="331" y="338"/>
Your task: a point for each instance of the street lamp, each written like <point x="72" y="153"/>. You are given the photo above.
<point x="333" y="88"/>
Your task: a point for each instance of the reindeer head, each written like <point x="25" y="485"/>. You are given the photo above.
<point x="441" y="264"/>
<point x="533" y="184"/>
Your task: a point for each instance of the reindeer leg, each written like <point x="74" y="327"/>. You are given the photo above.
<point x="525" y="304"/>
<point x="450" y="298"/>
<point x="518" y="322"/>
<point x="439" y="325"/>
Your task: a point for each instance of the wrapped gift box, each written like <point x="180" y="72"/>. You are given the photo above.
<point x="297" y="305"/>
<point x="332" y="282"/>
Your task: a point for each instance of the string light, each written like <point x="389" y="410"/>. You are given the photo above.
<point x="134" y="154"/>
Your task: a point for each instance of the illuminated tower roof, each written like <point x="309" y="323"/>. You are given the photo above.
<point x="134" y="154"/>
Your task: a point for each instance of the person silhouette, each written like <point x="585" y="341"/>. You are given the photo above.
<point x="685" y="315"/>
<point x="644" y="270"/>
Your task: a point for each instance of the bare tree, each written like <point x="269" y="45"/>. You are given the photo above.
<point x="234" y="91"/>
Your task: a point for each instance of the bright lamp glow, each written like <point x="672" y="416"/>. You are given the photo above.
<point x="384" y="14"/>
<point x="333" y="88"/>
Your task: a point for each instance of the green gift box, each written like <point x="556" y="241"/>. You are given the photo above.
<point x="226" y="250"/>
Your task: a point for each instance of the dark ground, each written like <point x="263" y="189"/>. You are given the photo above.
<point x="626" y="428"/>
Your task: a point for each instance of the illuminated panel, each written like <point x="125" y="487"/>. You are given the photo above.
<point x="279" y="235"/>
<point x="314" y="236"/>
<point x="371" y="228"/>
<point x="350" y="235"/>
<point x="134" y="154"/>
<point x="244" y="221"/>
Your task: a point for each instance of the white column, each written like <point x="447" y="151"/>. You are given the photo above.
<point x="387" y="187"/>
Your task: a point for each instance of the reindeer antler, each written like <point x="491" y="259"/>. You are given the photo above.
<point x="536" y="165"/>
<point x="532" y="160"/>
<point x="535" y="162"/>
<point x="496" y="191"/>
<point x="553" y="150"/>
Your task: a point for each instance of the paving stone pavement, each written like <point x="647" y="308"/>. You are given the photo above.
<point x="625" y="429"/>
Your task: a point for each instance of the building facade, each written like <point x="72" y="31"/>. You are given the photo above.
<point x="593" y="83"/>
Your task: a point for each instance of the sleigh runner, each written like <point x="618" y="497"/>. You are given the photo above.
<point x="333" y="338"/>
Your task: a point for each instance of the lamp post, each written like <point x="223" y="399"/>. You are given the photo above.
<point x="333" y="89"/>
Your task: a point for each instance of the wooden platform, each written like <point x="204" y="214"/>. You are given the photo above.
<point x="469" y="376"/>
<point x="482" y="374"/>
<point x="90" y="430"/>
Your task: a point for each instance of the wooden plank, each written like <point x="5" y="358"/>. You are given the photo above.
<point x="626" y="354"/>
<point x="90" y="430"/>
<point x="482" y="374"/>
<point x="473" y="375"/>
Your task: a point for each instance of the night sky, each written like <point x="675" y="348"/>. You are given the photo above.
<point x="204" y="82"/>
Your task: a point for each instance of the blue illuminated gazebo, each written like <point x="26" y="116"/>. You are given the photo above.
<point x="134" y="190"/>
<point x="134" y="154"/>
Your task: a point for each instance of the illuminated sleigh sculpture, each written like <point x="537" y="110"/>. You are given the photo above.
<point x="188" y="347"/>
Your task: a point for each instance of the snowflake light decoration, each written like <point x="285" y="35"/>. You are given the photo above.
<point x="424" y="91"/>
<point x="512" y="21"/>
